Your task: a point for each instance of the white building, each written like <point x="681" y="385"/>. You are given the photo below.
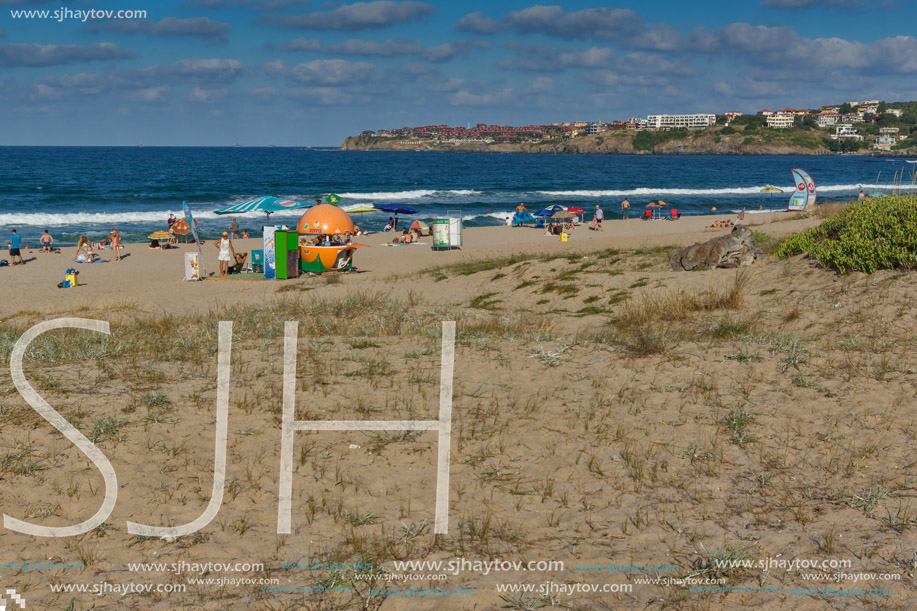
<point x="827" y="118"/>
<point x="677" y="121"/>
<point x="884" y="143"/>
<point x="781" y="120"/>
<point x="894" y="111"/>
<point x="596" y="128"/>
<point x="845" y="132"/>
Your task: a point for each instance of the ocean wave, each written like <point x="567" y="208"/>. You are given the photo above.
<point x="492" y="215"/>
<point x="42" y="219"/>
<point x="405" y="195"/>
<point x="653" y="191"/>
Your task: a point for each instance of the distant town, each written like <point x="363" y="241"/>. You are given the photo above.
<point x="845" y="127"/>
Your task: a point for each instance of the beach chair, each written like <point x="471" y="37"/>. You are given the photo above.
<point x="673" y="215"/>
<point x="647" y="215"/>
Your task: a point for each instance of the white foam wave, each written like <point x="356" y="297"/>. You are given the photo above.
<point x="494" y="215"/>
<point x="43" y="219"/>
<point x="404" y="195"/>
<point x="654" y="191"/>
<point x="389" y="196"/>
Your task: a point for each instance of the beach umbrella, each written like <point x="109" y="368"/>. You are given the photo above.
<point x="162" y="236"/>
<point x="396" y="209"/>
<point x="266" y="204"/>
<point x="771" y="190"/>
<point x="576" y="210"/>
<point x="360" y="209"/>
<point x="544" y="212"/>
<point x="181" y="227"/>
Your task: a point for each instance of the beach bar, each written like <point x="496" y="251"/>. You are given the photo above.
<point x="324" y="240"/>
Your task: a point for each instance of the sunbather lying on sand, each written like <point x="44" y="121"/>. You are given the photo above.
<point x="724" y="224"/>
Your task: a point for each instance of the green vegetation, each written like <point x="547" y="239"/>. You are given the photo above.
<point x="867" y="236"/>
<point x="647" y="140"/>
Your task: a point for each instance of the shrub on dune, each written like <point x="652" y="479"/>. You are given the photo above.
<point x="868" y="236"/>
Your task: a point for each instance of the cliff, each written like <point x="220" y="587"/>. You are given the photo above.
<point x="702" y="142"/>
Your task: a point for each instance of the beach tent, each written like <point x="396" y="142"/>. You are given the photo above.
<point x="418" y="225"/>
<point x="266" y="204"/>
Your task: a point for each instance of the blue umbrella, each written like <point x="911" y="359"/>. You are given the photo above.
<point x="545" y="212"/>
<point x="266" y="204"/>
<point x="396" y="209"/>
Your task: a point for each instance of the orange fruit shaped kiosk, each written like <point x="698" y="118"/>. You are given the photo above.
<point x="316" y="227"/>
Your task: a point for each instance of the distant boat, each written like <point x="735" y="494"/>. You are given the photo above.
<point x="910" y="160"/>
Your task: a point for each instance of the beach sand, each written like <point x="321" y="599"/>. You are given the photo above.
<point x="606" y="410"/>
<point x="151" y="280"/>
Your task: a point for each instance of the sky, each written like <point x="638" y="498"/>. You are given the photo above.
<point x="311" y="73"/>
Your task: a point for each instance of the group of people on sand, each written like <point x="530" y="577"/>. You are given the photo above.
<point x="86" y="249"/>
<point x="15" y="246"/>
<point x="411" y="236"/>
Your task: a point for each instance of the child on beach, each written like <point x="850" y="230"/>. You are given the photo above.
<point x="598" y="218"/>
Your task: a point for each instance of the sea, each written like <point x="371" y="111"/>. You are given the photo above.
<point x="76" y="191"/>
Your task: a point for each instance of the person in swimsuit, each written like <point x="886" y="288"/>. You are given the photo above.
<point x="116" y="243"/>
<point x="46" y="241"/>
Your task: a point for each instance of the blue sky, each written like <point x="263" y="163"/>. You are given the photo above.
<point x="300" y="72"/>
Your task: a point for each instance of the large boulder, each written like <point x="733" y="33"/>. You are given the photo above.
<point x="734" y="249"/>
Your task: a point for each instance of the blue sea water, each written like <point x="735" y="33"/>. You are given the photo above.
<point x="77" y="191"/>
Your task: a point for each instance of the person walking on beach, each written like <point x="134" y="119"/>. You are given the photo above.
<point x="861" y="195"/>
<point x="598" y="218"/>
<point x="521" y="208"/>
<point x="227" y="252"/>
<point x="171" y="220"/>
<point x="625" y="208"/>
<point x="116" y="243"/>
<point x="46" y="241"/>
<point x="14" y="245"/>
<point x="233" y="229"/>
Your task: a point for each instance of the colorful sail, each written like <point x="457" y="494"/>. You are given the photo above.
<point x="804" y="193"/>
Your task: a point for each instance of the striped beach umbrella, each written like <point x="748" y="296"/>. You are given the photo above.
<point x="266" y="204"/>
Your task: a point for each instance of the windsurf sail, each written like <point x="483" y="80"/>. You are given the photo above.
<point x="804" y="194"/>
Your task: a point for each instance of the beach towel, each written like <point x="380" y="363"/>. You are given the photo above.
<point x="399" y="244"/>
<point x="96" y="261"/>
<point x="522" y="217"/>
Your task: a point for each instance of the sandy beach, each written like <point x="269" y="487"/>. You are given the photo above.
<point x="606" y="411"/>
<point x="152" y="280"/>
